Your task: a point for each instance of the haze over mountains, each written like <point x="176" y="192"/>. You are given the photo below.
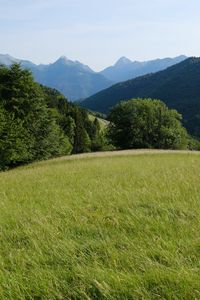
<point x="178" y="86"/>
<point x="77" y="81"/>
<point x="125" y="69"/>
<point x="72" y="78"/>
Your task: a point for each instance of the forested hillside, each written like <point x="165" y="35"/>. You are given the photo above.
<point x="178" y="86"/>
<point x="38" y="123"/>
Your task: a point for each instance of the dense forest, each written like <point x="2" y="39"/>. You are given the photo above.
<point x="37" y="122"/>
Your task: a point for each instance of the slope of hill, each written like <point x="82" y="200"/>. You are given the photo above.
<point x="71" y="78"/>
<point x="118" y="228"/>
<point x="178" y="86"/>
<point x="125" y="69"/>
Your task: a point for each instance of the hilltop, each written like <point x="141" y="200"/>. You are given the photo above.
<point x="118" y="227"/>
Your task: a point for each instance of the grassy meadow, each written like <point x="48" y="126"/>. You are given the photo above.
<point x="116" y="227"/>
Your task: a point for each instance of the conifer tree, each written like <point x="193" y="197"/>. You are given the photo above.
<point x="81" y="139"/>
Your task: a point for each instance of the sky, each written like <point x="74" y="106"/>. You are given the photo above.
<point x="98" y="32"/>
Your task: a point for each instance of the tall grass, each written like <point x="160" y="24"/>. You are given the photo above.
<point x="121" y="227"/>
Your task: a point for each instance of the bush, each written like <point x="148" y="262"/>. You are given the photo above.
<point x="146" y="123"/>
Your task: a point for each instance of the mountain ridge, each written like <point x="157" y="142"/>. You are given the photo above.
<point x="178" y="86"/>
<point x="125" y="69"/>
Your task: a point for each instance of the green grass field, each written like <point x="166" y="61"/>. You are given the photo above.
<point x="110" y="227"/>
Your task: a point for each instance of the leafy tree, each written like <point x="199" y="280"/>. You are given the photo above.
<point x="81" y="139"/>
<point x="28" y="129"/>
<point x="68" y="125"/>
<point x="146" y="123"/>
<point x="14" y="141"/>
<point x="97" y="140"/>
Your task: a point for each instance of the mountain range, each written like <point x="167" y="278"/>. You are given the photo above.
<point x="72" y="78"/>
<point x="178" y="86"/>
<point x="125" y="69"/>
<point x="77" y="81"/>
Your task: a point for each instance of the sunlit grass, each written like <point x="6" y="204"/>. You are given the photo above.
<point x="121" y="227"/>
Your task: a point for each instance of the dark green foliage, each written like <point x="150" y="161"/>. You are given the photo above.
<point x="193" y="144"/>
<point x="178" y="87"/>
<point x="14" y="141"/>
<point x="98" y="141"/>
<point x="68" y="125"/>
<point x="81" y="138"/>
<point x="84" y="135"/>
<point x="146" y="124"/>
<point x="37" y="122"/>
<point x="28" y="128"/>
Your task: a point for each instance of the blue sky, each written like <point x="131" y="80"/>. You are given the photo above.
<point x="98" y="32"/>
